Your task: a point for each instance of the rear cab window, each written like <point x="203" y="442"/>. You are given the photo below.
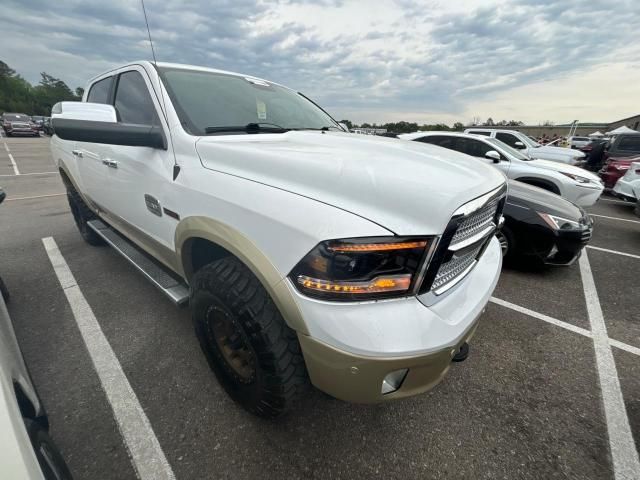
<point x="100" y="91"/>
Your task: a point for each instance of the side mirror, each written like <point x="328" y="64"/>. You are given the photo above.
<point x="98" y="123"/>
<point x="519" y="145"/>
<point x="344" y="127"/>
<point x="2" y="195"/>
<point x="493" y="155"/>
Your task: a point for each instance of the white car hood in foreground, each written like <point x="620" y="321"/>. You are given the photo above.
<point x="409" y="188"/>
<point x="563" y="167"/>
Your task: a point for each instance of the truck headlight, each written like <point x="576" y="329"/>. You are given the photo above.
<point x="559" y="223"/>
<point x="360" y="268"/>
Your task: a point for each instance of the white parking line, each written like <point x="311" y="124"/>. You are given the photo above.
<point x="614" y="218"/>
<point x="626" y="464"/>
<point x="559" y="323"/>
<point x="541" y="316"/>
<point x="613" y="251"/>
<point x="13" y="164"/>
<point x="144" y="449"/>
<point x="25" y="174"/>
<point x="31" y="198"/>
<point x="621" y="202"/>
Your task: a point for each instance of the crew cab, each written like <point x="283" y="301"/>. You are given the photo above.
<point x="530" y="147"/>
<point x="572" y="183"/>
<point x="305" y="252"/>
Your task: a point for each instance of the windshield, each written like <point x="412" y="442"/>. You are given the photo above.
<point x="206" y="101"/>
<point x="528" y="141"/>
<point x="16" y="117"/>
<point x="512" y="152"/>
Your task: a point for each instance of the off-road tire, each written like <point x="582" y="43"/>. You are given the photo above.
<point x="227" y="291"/>
<point x="49" y="458"/>
<point x="81" y="215"/>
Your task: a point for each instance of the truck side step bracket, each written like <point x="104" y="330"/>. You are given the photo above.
<point x="167" y="282"/>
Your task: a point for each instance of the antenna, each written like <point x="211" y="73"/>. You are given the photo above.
<point x="176" y="167"/>
<point x="153" y="52"/>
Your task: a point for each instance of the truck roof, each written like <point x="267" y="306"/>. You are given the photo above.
<point x="150" y="66"/>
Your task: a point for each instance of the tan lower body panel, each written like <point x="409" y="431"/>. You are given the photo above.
<point x="358" y="379"/>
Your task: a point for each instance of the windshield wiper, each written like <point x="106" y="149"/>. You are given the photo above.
<point x="249" y="128"/>
<point x="322" y="129"/>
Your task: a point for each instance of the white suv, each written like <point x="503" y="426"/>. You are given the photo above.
<point x="575" y="184"/>
<point x="520" y="141"/>
<point x="359" y="262"/>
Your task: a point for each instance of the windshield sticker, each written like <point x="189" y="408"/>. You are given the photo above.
<point x="262" y="110"/>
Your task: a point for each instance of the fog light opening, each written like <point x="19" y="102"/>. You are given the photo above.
<point x="393" y="381"/>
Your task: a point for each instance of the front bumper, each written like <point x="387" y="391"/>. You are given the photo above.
<point x="352" y="347"/>
<point x="624" y="190"/>
<point x="568" y="247"/>
<point x="587" y="196"/>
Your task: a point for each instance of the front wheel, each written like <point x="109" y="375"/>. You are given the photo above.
<point x="253" y="353"/>
<point x="507" y="242"/>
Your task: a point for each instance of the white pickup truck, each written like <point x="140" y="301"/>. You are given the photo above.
<point x="306" y="253"/>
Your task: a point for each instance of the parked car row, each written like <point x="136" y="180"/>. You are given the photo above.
<point x="19" y="124"/>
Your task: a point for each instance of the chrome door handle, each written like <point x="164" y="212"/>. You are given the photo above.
<point x="110" y="163"/>
<point x="77" y="153"/>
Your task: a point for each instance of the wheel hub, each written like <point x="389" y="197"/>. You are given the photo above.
<point x="232" y="344"/>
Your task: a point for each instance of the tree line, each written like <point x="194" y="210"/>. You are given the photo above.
<point x="19" y="96"/>
<point x="408" y="127"/>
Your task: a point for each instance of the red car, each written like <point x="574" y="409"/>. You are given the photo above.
<point x="614" y="168"/>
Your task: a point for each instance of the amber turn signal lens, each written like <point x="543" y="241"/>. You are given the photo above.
<point x="390" y="283"/>
<point x="375" y="247"/>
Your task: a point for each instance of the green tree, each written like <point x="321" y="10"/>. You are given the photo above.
<point x="18" y="95"/>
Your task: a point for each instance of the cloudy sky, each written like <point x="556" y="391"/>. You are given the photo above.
<point x="365" y="60"/>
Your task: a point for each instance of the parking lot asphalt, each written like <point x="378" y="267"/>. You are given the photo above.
<point x="526" y="404"/>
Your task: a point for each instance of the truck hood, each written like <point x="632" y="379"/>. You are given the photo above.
<point x="563" y="167"/>
<point x="409" y="188"/>
<point x="555" y="151"/>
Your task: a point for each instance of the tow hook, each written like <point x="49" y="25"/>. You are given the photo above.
<point x="462" y="354"/>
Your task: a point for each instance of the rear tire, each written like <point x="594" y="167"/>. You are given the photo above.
<point x="49" y="458"/>
<point x="81" y="215"/>
<point x="253" y="353"/>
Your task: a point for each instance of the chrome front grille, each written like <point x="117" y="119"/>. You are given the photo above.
<point x="459" y="264"/>
<point x="468" y="233"/>
<point x="476" y="223"/>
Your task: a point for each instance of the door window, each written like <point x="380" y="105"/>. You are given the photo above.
<point x="509" y="139"/>
<point x="439" y="140"/>
<point x="133" y="102"/>
<point x="99" y="92"/>
<point x="475" y="148"/>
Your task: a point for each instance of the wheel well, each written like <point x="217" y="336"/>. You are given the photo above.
<point x="540" y="183"/>
<point x="198" y="252"/>
<point x="65" y="178"/>
<point x="27" y="410"/>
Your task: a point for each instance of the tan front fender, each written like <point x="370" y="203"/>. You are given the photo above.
<point x="246" y="251"/>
